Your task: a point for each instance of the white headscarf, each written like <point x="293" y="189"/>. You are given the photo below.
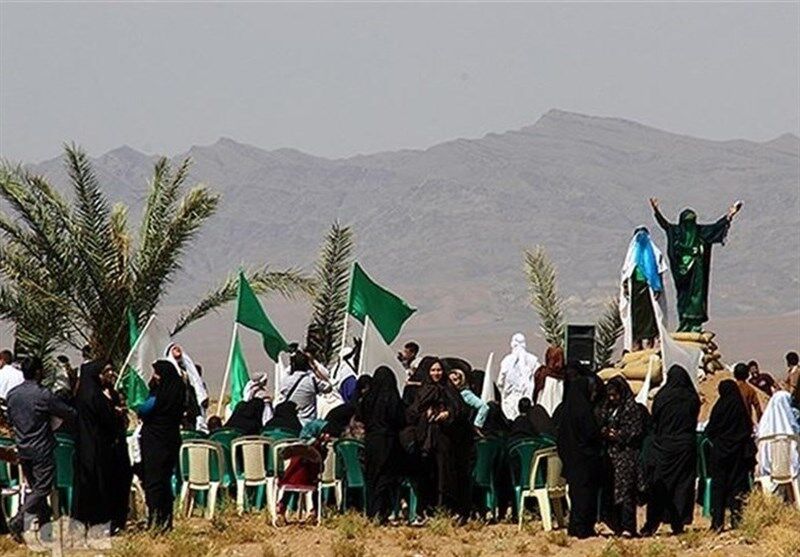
<point x="628" y="267"/>
<point x="778" y="419"/>
<point x="191" y="371"/>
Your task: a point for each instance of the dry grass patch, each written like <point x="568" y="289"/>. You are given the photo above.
<point x="772" y="524"/>
<point x="558" y="538"/>
<point x="692" y="539"/>
<point x="441" y="524"/>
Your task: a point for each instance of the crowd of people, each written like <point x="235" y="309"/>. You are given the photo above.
<point x="616" y="453"/>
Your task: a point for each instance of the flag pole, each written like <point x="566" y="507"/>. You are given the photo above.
<point x="347" y="308"/>
<point x="125" y="365"/>
<point x="227" y="368"/>
<point x="363" y="344"/>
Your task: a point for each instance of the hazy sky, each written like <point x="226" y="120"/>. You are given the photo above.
<point x="336" y="80"/>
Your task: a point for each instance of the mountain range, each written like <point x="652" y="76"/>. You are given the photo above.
<point x="445" y="227"/>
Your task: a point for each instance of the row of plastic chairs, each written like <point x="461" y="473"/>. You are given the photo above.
<point x="208" y="464"/>
<point x="535" y="474"/>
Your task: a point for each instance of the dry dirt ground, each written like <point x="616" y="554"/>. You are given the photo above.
<point x="770" y="528"/>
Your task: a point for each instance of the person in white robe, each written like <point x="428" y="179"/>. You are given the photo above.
<point x="515" y="379"/>
<point x="779" y="418"/>
<point x="186" y="367"/>
<point x="641" y="282"/>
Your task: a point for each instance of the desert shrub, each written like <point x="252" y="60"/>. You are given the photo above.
<point x="440" y="524"/>
<point x="347" y="547"/>
<point x="558" y="538"/>
<point x="618" y="548"/>
<point x="350" y="525"/>
<point x="762" y="513"/>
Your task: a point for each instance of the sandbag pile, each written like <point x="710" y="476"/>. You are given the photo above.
<point x="633" y="367"/>
<point x="712" y="359"/>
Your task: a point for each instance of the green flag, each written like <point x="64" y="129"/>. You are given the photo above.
<point x="386" y="311"/>
<point x="238" y="373"/>
<point x="250" y="314"/>
<point x="133" y="328"/>
<point x="145" y="349"/>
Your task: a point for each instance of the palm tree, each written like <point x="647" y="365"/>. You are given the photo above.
<point x="607" y="332"/>
<point x="543" y="287"/>
<point x="70" y="270"/>
<point x="332" y="275"/>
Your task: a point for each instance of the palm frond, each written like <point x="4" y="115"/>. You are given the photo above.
<point x="543" y="288"/>
<point x="164" y="189"/>
<point x="607" y="331"/>
<point x="332" y="275"/>
<point x="289" y="284"/>
<point x="157" y="266"/>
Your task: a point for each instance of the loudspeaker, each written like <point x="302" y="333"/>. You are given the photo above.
<point x="579" y="343"/>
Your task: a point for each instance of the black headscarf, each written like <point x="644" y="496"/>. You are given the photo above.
<point x="542" y="422"/>
<point x="672" y="458"/>
<point x="170" y="393"/>
<point x="729" y="427"/>
<point x="247" y="416"/>
<point x="678" y="390"/>
<point x="412" y="387"/>
<point x="285" y="417"/>
<point x="438" y="393"/>
<point x="496" y="423"/>
<point x="522" y="428"/>
<point x="338" y="418"/>
<point x="381" y="409"/>
<point x="579" y="440"/>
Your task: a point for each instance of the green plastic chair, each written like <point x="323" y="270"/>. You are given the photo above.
<point x="349" y="453"/>
<point x="412" y="500"/>
<point x="523" y="452"/>
<point x="188" y="434"/>
<point x="225" y="437"/>
<point x="488" y="453"/>
<point x="279" y="434"/>
<point x="10" y="487"/>
<point x="703" y="454"/>
<point x="65" y="471"/>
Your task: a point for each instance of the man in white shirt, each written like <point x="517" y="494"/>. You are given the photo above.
<point x="306" y="380"/>
<point x="10" y="376"/>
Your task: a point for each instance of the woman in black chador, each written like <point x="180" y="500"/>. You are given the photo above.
<point x="381" y="412"/>
<point x="580" y="448"/>
<point x="733" y="454"/>
<point x="672" y="459"/>
<point x="160" y="441"/>
<point x="443" y="440"/>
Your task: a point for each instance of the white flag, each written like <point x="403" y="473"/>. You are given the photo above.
<point x="644" y="392"/>
<point x="673" y="353"/>
<point x="279" y="373"/>
<point x="375" y="353"/>
<point x="489" y="379"/>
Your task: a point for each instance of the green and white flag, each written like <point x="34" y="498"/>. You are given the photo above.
<point x="146" y="348"/>
<point x="238" y="372"/>
<point x="249" y="314"/>
<point x="386" y="311"/>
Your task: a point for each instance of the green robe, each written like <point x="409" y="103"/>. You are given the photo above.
<point x="689" y="252"/>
